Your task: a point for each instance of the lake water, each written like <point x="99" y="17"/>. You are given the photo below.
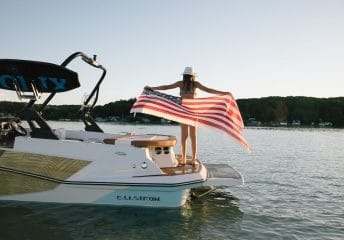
<point x="294" y="189"/>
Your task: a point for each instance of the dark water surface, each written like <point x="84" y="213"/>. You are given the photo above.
<point x="294" y="189"/>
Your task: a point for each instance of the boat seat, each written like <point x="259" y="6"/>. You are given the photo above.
<point x="169" y="142"/>
<point x="112" y="140"/>
<point x="60" y="133"/>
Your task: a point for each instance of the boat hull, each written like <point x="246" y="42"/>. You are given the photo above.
<point x="85" y="172"/>
<point x="41" y="178"/>
<point x="106" y="195"/>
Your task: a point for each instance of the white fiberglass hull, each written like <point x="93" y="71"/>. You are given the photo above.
<point x="82" y="169"/>
<point x="118" y="196"/>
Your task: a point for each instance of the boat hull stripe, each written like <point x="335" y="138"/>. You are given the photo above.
<point x="11" y="170"/>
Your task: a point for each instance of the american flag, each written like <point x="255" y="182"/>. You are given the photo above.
<point x="219" y="112"/>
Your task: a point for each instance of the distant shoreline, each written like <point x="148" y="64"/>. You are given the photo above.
<point x="176" y="124"/>
<point x="267" y="112"/>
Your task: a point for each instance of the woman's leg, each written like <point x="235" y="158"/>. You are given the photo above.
<point x="193" y="137"/>
<point x="184" y="136"/>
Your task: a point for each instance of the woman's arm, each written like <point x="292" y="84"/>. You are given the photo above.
<point x="165" y="87"/>
<point x="209" y="90"/>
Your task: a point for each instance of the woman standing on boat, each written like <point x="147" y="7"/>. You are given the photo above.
<point x="188" y="90"/>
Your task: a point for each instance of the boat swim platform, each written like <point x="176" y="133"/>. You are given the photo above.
<point x="12" y="164"/>
<point x="221" y="171"/>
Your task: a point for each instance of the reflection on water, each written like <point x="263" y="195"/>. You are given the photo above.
<point x="21" y="222"/>
<point x="196" y="220"/>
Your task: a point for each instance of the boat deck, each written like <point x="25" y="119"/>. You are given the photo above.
<point x="183" y="169"/>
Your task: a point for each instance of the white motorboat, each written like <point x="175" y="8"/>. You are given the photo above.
<point x="41" y="164"/>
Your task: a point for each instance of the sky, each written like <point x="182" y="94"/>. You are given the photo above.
<point x="250" y="48"/>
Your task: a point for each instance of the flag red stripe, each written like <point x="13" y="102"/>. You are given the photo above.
<point x="186" y="113"/>
<point x="235" y="135"/>
<point x="219" y="112"/>
<point x="233" y="108"/>
<point x="168" y="105"/>
<point x="236" y="120"/>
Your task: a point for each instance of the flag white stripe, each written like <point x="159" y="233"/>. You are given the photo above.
<point x="219" y="112"/>
<point x="172" y="117"/>
<point x="236" y="120"/>
<point x="178" y="109"/>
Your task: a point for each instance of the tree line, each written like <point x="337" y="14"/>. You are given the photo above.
<point x="307" y="110"/>
<point x="266" y="111"/>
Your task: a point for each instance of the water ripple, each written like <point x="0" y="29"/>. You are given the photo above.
<point x="294" y="190"/>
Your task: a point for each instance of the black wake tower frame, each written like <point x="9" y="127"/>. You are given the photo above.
<point x="30" y="79"/>
<point x="85" y="110"/>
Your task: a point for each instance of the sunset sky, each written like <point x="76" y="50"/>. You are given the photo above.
<point x="250" y="48"/>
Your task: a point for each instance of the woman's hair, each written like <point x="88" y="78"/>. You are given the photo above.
<point x="188" y="82"/>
